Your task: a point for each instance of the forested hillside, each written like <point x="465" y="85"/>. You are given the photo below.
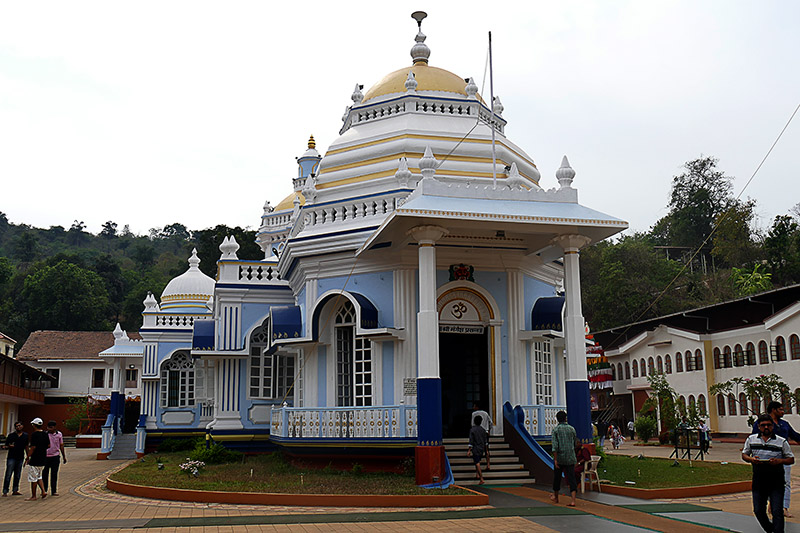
<point x="708" y="248"/>
<point x="69" y="279"/>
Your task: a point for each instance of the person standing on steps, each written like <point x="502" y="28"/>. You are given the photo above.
<point x="478" y="442"/>
<point x="486" y="424"/>
<point x="782" y="428"/>
<point x="55" y="453"/>
<point x="15" y="444"/>
<point x="564" y="441"/>
<point x="37" y="457"/>
<point x="768" y="453"/>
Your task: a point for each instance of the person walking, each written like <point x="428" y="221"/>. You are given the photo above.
<point x="564" y="441"/>
<point x="487" y="426"/>
<point x="15" y="444"/>
<point x="631" y="429"/>
<point x="55" y="453"/>
<point x="782" y="428"/>
<point x="768" y="453"/>
<point x="478" y="442"/>
<point x="37" y="457"/>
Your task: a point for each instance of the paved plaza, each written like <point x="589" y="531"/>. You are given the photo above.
<point x="85" y="504"/>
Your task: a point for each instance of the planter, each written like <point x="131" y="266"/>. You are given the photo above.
<point x="679" y="492"/>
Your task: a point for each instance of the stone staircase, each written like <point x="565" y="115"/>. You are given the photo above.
<point x="70" y="442"/>
<point x="124" y="447"/>
<point x="506" y="467"/>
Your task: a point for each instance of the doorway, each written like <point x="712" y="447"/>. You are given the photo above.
<point x="464" y="370"/>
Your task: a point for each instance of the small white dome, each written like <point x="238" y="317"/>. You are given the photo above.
<point x="190" y="291"/>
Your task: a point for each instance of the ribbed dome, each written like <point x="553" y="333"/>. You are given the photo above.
<point x="190" y="291"/>
<point x="428" y="79"/>
<point x="288" y="202"/>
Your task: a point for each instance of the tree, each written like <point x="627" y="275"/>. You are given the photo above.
<point x="733" y="242"/>
<point x="782" y="246"/>
<point x="26" y="246"/>
<point x="751" y="281"/>
<point x="107" y="268"/>
<point x="697" y="197"/>
<point x="207" y="242"/>
<point x="76" y="233"/>
<point x="757" y="390"/>
<point x="65" y="296"/>
<point x="109" y="230"/>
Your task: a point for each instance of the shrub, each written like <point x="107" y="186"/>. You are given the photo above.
<point x="645" y="427"/>
<point x="178" y="445"/>
<point x="214" y="455"/>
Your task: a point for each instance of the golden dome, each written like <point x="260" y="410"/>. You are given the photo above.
<point x="428" y="79"/>
<point x="288" y="202"/>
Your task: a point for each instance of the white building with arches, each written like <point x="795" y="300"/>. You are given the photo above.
<point x="399" y="287"/>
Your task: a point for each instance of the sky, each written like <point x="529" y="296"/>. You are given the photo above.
<point x="151" y="113"/>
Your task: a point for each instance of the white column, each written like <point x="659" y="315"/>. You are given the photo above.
<point x="516" y="350"/>
<point x="427" y="318"/>
<point x="574" y="328"/>
<point x="117" y="385"/>
<point x="226" y="392"/>
<point x="405" y="308"/>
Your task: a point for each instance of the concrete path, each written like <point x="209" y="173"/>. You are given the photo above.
<point x="86" y="505"/>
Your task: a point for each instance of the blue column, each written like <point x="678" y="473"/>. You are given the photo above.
<point x="429" y="411"/>
<point x="579" y="409"/>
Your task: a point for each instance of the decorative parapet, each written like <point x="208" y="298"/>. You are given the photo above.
<point x="249" y="272"/>
<point x="391" y="421"/>
<point x="170" y="321"/>
<point x="350" y="210"/>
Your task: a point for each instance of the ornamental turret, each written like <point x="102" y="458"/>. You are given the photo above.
<point x="307" y="164"/>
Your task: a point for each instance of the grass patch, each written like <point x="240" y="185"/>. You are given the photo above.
<point x="652" y="473"/>
<point x="268" y="473"/>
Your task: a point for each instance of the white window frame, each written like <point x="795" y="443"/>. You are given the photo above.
<point x="353" y="359"/>
<point x="543" y="372"/>
<point x="178" y="371"/>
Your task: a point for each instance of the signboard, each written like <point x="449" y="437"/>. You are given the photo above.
<point x="452" y="328"/>
<point x="409" y="386"/>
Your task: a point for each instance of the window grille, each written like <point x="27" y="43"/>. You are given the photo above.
<point x="177" y="381"/>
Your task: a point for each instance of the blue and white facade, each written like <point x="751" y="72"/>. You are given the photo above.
<point x="397" y="290"/>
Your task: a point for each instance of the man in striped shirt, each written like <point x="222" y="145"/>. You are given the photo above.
<point x="564" y="440"/>
<point x="767" y="453"/>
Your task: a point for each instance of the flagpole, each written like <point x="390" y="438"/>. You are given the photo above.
<point x="492" y="122"/>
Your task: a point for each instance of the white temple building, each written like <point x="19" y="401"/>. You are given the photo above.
<point x="412" y="272"/>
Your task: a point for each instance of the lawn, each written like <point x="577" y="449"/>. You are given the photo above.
<point x="267" y="473"/>
<point x="650" y="473"/>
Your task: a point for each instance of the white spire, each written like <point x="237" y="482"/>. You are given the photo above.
<point x="229" y="247"/>
<point x="403" y="174"/>
<point x="498" y="106"/>
<point x="194" y="261"/>
<point x="565" y="174"/>
<point x="427" y="164"/>
<point x="471" y="89"/>
<point x="150" y="303"/>
<point x="411" y="82"/>
<point x="514" y="180"/>
<point x="420" y="51"/>
<point x="357" y="95"/>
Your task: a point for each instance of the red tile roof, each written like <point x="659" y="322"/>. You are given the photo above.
<point x="67" y="344"/>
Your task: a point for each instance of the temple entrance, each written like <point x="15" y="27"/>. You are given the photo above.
<point x="464" y="371"/>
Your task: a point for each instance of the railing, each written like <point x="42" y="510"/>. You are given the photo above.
<point x="109" y="432"/>
<point x="370" y="207"/>
<point x="541" y="419"/>
<point x="392" y="421"/>
<point x="141" y="434"/>
<point x="249" y="272"/>
<point x="176" y="321"/>
<point x="19" y="392"/>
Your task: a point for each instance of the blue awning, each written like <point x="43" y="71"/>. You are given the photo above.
<point x="369" y="314"/>
<point x="546" y="313"/>
<point x="203" y="335"/>
<point x="285" y="322"/>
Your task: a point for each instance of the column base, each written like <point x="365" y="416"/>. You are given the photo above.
<point x="429" y="463"/>
<point x="226" y="422"/>
<point x="429" y="411"/>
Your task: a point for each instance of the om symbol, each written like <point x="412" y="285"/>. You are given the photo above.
<point x="459" y="309"/>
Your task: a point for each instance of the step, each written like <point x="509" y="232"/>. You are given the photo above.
<point x="70" y="442"/>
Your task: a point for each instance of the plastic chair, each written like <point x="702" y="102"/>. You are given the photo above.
<point x="589" y="472"/>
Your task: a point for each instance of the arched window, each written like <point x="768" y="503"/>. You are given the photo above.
<point x="651" y="366"/>
<point x="750" y="354"/>
<point x="635" y="369"/>
<point x="717" y="358"/>
<point x="738" y="355"/>
<point x="271" y="374"/>
<point x="642" y="367"/>
<point x="780" y="349"/>
<point x="668" y="364"/>
<point x="731" y="405"/>
<point x="660" y="364"/>
<point x="177" y="380"/>
<point x="720" y="405"/>
<point x="698" y="360"/>
<point x="691" y="400"/>
<point x="701" y="405"/>
<point x="353" y="361"/>
<point x="613" y="372"/>
<point x="726" y="357"/>
<point x="682" y="403"/>
<point x="619" y="371"/>
<point x="794" y="346"/>
<point x="627" y="370"/>
<point x="679" y="362"/>
<point x="755" y="406"/>
<point x="763" y="353"/>
<point x="742" y="403"/>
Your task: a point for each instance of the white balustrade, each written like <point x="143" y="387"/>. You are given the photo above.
<point x="392" y="421"/>
<point x="176" y="321"/>
<point x="541" y="419"/>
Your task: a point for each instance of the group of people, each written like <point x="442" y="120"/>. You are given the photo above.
<point x="42" y="451"/>
<point x="604" y="430"/>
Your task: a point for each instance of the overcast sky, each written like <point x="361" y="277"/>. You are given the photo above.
<point x="150" y="113"/>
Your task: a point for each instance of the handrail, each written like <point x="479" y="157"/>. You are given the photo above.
<point x="535" y="458"/>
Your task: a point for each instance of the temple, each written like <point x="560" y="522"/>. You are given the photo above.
<point x="420" y="267"/>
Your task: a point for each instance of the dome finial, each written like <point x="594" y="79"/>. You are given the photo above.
<point x="357" y="95"/>
<point x="427" y="165"/>
<point x="194" y="261"/>
<point x="420" y="51"/>
<point x="311" y="142"/>
<point x="411" y="82"/>
<point x="565" y="174"/>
